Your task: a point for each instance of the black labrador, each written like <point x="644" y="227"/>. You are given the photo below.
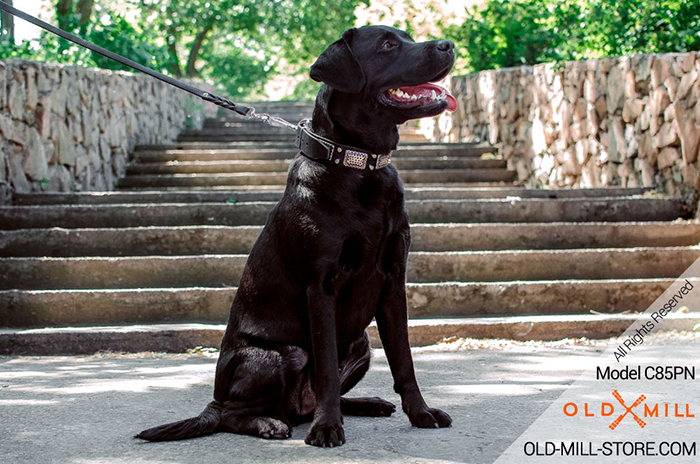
<point x="331" y="257"/>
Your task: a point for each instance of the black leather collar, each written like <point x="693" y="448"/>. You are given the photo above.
<point x="319" y="148"/>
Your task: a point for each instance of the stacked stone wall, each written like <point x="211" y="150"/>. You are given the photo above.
<point x="67" y="128"/>
<point x="627" y="121"/>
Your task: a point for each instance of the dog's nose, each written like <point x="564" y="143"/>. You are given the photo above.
<point x="445" y="45"/>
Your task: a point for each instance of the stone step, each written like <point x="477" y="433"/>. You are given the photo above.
<point x="234" y="129"/>
<point x="303" y="109"/>
<point x="224" y="136"/>
<point x="28" y="273"/>
<point x="237" y="166"/>
<point x="282" y="152"/>
<point x="239" y="195"/>
<point x="178" y="338"/>
<point x="291" y="114"/>
<point x="196" y="240"/>
<point x="57" y="308"/>
<point x="203" y="180"/>
<point x="410" y="176"/>
<point x="244" y="126"/>
<point x="189" y="146"/>
<point x="633" y="209"/>
<point x="252" y="126"/>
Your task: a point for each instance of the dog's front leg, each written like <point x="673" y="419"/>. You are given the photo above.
<point x="392" y="323"/>
<point x="327" y="426"/>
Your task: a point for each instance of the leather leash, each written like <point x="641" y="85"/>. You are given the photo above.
<point x="311" y="145"/>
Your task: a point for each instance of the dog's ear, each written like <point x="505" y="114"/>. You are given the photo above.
<point x="338" y="67"/>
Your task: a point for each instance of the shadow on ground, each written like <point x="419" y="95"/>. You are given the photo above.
<point x="86" y="409"/>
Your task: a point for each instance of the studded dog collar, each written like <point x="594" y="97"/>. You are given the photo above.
<point x="319" y="148"/>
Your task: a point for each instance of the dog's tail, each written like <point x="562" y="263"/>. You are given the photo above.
<point x="204" y="424"/>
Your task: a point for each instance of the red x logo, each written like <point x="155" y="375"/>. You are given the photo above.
<point x="628" y="410"/>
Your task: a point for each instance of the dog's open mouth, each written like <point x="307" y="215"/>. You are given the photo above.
<point x="420" y="95"/>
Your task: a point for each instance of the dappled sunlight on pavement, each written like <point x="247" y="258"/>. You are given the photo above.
<point x="86" y="409"/>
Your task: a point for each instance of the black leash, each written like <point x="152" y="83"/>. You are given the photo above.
<point x="311" y="145"/>
<point x="246" y="111"/>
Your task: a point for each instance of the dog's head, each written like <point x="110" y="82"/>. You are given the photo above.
<point x="389" y="71"/>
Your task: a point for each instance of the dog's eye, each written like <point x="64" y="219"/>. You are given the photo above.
<point x="387" y="45"/>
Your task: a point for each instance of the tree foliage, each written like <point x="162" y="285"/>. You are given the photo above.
<point x="234" y="43"/>
<point x="523" y="32"/>
<point x="240" y="44"/>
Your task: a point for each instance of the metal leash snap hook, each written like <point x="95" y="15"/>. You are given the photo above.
<point x="275" y="121"/>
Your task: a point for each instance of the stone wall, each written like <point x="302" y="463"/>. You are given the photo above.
<point x="67" y="128"/>
<point x="628" y="121"/>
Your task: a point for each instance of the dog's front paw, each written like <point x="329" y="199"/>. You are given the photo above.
<point x="325" y="435"/>
<point x="430" y="418"/>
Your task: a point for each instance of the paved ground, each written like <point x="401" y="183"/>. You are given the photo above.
<point x="86" y="409"/>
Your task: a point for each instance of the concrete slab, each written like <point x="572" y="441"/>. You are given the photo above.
<point x="196" y="240"/>
<point x="214" y="270"/>
<point x="86" y="409"/>
<point x="56" y="308"/>
<point x="516" y="210"/>
<point x="181" y="337"/>
<point x="224" y="195"/>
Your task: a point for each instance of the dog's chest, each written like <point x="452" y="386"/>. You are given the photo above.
<point x="375" y="237"/>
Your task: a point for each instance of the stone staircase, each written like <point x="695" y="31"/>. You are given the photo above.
<point x="154" y="265"/>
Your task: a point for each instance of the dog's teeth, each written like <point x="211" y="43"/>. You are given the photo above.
<point x="433" y="95"/>
<point x="414" y="97"/>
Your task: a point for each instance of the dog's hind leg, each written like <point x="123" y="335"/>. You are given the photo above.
<point x="353" y="368"/>
<point x="254" y="403"/>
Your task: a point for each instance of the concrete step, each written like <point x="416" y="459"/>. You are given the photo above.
<point x="410" y="176"/>
<point x="57" y="308"/>
<point x="631" y="209"/>
<point x="242" y="130"/>
<point x="178" y="338"/>
<point x="166" y="155"/>
<point x="203" y="180"/>
<point x="292" y="111"/>
<point x="196" y="146"/>
<point x="250" y="125"/>
<point x="271" y="194"/>
<point x="233" y="152"/>
<point x="196" y="240"/>
<point x="223" y="136"/>
<point x="423" y="267"/>
<point x="213" y="167"/>
<point x="208" y="167"/>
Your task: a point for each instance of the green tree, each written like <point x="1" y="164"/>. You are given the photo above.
<point x="238" y="42"/>
<point x="513" y="33"/>
<point x="619" y="27"/>
<point x="524" y="32"/>
<point x="233" y="43"/>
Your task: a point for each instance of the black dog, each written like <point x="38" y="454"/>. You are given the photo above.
<point x="331" y="257"/>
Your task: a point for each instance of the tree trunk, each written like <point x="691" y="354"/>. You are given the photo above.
<point x="8" y="25"/>
<point x="174" y="62"/>
<point x="85" y="10"/>
<point x="63" y="8"/>
<point x="194" y="53"/>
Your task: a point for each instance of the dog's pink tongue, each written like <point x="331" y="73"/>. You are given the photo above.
<point x="451" y="102"/>
<point x="426" y="91"/>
